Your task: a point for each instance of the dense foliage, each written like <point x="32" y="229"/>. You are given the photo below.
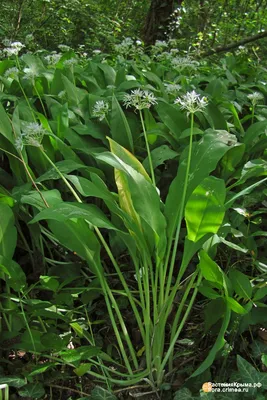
<point x="132" y="203"/>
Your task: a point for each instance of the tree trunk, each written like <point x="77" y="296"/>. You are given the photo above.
<point x="157" y="20"/>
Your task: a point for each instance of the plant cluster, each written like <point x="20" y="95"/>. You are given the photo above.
<point x="132" y="229"/>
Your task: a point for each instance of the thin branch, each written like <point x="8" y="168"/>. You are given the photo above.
<point x="234" y="45"/>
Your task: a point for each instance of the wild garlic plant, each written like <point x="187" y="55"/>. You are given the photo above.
<point x="255" y="98"/>
<point x="151" y="236"/>
<point x="141" y="99"/>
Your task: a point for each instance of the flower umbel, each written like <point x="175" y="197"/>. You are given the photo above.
<point x="172" y="88"/>
<point x="100" y="110"/>
<point x="13" y="49"/>
<point x="139" y="99"/>
<point x="192" y="102"/>
<point x="255" y="97"/>
<point x="32" y="135"/>
<point x="12" y="73"/>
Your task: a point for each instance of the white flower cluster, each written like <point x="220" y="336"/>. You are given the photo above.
<point x="13" y="49"/>
<point x="12" y="73"/>
<point x="70" y="62"/>
<point x="139" y="99"/>
<point x="53" y="58"/>
<point x="32" y="135"/>
<point x="255" y="97"/>
<point x="100" y="110"/>
<point x="172" y="88"/>
<point x="129" y="46"/>
<point x="192" y="102"/>
<point x="184" y="62"/>
<point x="30" y="73"/>
<point x="64" y="48"/>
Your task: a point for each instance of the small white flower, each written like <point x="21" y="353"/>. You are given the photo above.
<point x="64" y="47"/>
<point x="255" y="97"/>
<point x="172" y="88"/>
<point x="100" y="110"/>
<point x="139" y="99"/>
<point x="184" y="62"/>
<point x="97" y="51"/>
<point x="13" y="49"/>
<point x="138" y="42"/>
<point x="53" y="58"/>
<point x="32" y="134"/>
<point x="192" y="102"/>
<point x="19" y="143"/>
<point x="12" y="73"/>
<point x="69" y="63"/>
<point x="29" y="74"/>
<point x="161" y="43"/>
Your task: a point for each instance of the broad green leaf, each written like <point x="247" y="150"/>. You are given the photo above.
<point x="216" y="88"/>
<point x="32" y="391"/>
<point x="205" y="155"/>
<point x="231" y="159"/>
<point x="8" y="232"/>
<point x="120" y="129"/>
<point x="210" y="270"/>
<point x="258" y="348"/>
<point x="241" y="284"/>
<point x="183" y="394"/>
<point x="13" y="381"/>
<point x="260" y="293"/>
<point x="16" y="277"/>
<point x="215" y="117"/>
<point x="235" y="306"/>
<point x="74" y="94"/>
<point x="40" y="369"/>
<point x="81" y="353"/>
<point x="218" y="345"/>
<point x="214" y="311"/>
<point x="254" y="131"/>
<point x="208" y="292"/>
<point x="5" y="125"/>
<point x="264" y="359"/>
<point x="204" y="211"/>
<point x="144" y="196"/>
<point x="109" y="73"/>
<point x="237" y="121"/>
<point x="159" y="156"/>
<point x="53" y="342"/>
<point x="49" y="282"/>
<point x="128" y="158"/>
<point x="253" y="168"/>
<point x="72" y="235"/>
<point x="233" y="245"/>
<point x="173" y="118"/>
<point x="99" y="393"/>
<point x="64" y="166"/>
<point x="249" y="374"/>
<point x="52" y="197"/>
<point x="243" y="192"/>
<point x="82" y="369"/>
<point x="65" y="211"/>
<point x="89" y="189"/>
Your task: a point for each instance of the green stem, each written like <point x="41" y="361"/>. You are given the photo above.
<point x="104" y="283"/>
<point x="40" y="99"/>
<point x="179" y="312"/>
<point x="253" y="113"/>
<point x="181" y="213"/>
<point x="27" y="100"/>
<point x="148" y="149"/>
<point x="27" y="325"/>
<point x="181" y="326"/>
